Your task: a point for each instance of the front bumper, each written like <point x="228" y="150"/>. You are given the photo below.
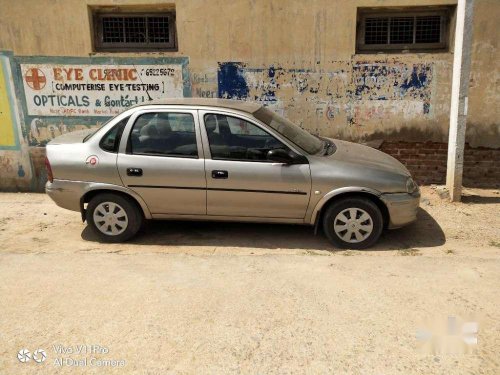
<point x="402" y="207"/>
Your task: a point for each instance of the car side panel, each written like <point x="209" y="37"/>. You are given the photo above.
<point x="83" y="162"/>
<point x="168" y="185"/>
<point x="258" y="189"/>
<point x="254" y="188"/>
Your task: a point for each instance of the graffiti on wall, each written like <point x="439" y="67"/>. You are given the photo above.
<point x="67" y="94"/>
<point x="349" y="94"/>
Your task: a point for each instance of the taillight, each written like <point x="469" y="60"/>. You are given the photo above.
<point x="50" y="176"/>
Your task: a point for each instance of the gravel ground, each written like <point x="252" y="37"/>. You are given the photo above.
<point x="244" y="298"/>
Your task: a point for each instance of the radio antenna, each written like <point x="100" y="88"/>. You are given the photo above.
<point x="147" y="92"/>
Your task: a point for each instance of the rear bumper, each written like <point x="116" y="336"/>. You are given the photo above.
<point x="402" y="207"/>
<point x="66" y="194"/>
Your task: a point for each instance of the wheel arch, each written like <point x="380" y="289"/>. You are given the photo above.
<point x="336" y="195"/>
<point x="134" y="198"/>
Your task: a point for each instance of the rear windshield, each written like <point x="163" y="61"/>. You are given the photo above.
<point x="87" y="137"/>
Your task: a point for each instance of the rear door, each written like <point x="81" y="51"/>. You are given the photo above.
<point x="162" y="160"/>
<point x="240" y="180"/>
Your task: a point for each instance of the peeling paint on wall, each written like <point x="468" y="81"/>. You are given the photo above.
<point x="232" y="81"/>
<point x="392" y="82"/>
<point x="350" y="98"/>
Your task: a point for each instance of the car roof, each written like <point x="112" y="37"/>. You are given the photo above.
<point x="206" y="102"/>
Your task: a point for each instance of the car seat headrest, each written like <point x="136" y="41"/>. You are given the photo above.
<point x="210" y="123"/>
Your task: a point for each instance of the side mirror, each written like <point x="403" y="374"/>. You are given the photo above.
<point x="286" y="157"/>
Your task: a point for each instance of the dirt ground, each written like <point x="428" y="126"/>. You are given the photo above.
<point x="244" y="298"/>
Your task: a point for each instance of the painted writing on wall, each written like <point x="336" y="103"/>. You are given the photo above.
<point x="96" y="90"/>
<point x="65" y="94"/>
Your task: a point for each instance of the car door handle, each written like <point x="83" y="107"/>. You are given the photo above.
<point x="220" y="174"/>
<point x="134" y="172"/>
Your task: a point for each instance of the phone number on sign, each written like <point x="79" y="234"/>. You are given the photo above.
<point x="169" y="72"/>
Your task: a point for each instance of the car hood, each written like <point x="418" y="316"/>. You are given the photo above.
<point x="72" y="137"/>
<point x="355" y="153"/>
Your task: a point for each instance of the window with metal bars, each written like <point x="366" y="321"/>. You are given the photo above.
<point x="401" y="30"/>
<point x="116" y="32"/>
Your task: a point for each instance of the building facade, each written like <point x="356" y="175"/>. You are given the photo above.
<point x="376" y="71"/>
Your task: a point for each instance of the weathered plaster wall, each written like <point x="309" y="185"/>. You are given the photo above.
<point x="15" y="162"/>
<point x="315" y="38"/>
<point x="297" y="57"/>
<point x="350" y="100"/>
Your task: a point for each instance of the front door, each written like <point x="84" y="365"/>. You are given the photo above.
<point x="163" y="162"/>
<point x="241" y="181"/>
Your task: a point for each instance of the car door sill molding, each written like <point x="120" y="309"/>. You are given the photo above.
<point x="247" y="219"/>
<point x="218" y="189"/>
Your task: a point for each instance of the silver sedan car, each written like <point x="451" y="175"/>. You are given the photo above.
<point x="212" y="159"/>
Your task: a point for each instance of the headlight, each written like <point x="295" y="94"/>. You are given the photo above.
<point x="411" y="186"/>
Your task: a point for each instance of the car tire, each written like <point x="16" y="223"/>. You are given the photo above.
<point x="113" y="217"/>
<point x="359" y="232"/>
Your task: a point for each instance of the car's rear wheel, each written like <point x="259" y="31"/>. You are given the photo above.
<point x="353" y="223"/>
<point x="113" y="218"/>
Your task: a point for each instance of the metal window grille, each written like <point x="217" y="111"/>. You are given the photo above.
<point x="402" y="30"/>
<point x="428" y="29"/>
<point x="158" y="29"/>
<point x="376" y="30"/>
<point x="123" y="32"/>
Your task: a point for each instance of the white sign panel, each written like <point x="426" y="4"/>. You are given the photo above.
<point x="96" y="90"/>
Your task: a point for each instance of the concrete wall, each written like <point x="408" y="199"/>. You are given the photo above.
<point x="296" y="57"/>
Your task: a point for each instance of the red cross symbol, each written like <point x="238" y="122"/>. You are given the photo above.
<point x="35" y="79"/>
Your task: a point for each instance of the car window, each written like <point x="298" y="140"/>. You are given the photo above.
<point x="111" y="140"/>
<point x="232" y="138"/>
<point x="164" y="134"/>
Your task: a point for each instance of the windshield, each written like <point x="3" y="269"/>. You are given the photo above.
<point x="298" y="136"/>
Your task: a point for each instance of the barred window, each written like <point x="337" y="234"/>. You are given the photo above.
<point x="134" y="31"/>
<point x="408" y="29"/>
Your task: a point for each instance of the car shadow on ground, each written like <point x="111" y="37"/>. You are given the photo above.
<point x="426" y="232"/>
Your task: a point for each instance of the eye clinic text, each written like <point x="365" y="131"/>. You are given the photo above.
<point x="95" y="74"/>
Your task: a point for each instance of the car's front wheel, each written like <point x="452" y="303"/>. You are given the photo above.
<point x="354" y="223"/>
<point x="113" y="218"/>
